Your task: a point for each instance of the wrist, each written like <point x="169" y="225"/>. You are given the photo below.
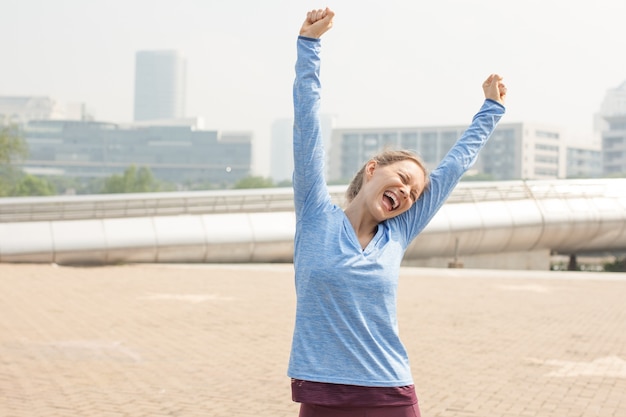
<point x="308" y="38"/>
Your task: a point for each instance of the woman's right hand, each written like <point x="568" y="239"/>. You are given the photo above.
<point x="317" y="23"/>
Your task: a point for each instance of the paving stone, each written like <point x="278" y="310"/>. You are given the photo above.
<point x="213" y="340"/>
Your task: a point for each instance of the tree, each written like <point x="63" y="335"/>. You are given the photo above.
<point x="70" y="185"/>
<point x="6" y="180"/>
<point x="284" y="184"/>
<point x="254" y="182"/>
<point x="29" y="185"/>
<point x="133" y="180"/>
<point x="12" y="145"/>
<point x="12" y="148"/>
<point x="618" y="266"/>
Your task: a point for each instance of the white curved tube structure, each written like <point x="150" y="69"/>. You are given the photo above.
<point x="258" y="225"/>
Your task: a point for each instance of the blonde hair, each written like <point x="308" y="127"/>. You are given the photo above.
<point x="386" y="157"/>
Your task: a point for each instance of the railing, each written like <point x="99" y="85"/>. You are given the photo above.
<point x="28" y="209"/>
<point x="142" y="205"/>
<point x="565" y="216"/>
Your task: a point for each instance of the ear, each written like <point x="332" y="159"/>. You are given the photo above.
<point x="370" y="167"/>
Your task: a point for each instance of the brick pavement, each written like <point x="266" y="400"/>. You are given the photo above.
<point x="207" y="340"/>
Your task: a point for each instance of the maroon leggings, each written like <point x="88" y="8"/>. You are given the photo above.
<point x="311" y="410"/>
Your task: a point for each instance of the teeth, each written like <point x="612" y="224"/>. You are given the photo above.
<point x="393" y="198"/>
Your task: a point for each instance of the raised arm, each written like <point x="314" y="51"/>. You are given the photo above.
<point x="308" y="153"/>
<point x="460" y="158"/>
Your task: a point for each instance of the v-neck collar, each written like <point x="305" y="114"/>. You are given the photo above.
<point x="355" y="239"/>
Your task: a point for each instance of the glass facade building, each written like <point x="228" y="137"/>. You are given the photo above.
<point x="160" y="85"/>
<point x="614" y="136"/>
<point x="176" y="154"/>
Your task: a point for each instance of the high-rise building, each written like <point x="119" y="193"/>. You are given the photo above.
<point x="160" y="85"/>
<point x="614" y="135"/>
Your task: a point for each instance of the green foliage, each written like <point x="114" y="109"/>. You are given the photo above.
<point x="284" y="184"/>
<point x="133" y="180"/>
<point x="618" y="266"/>
<point x="254" y="182"/>
<point x="7" y="179"/>
<point x="74" y="185"/>
<point x="12" y="145"/>
<point x="12" y="148"/>
<point x="30" y="185"/>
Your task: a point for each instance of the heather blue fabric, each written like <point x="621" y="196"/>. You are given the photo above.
<point x="346" y="330"/>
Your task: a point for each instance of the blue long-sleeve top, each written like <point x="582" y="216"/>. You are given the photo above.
<point x="346" y="328"/>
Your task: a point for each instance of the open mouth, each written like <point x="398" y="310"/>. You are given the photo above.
<point x="390" y="201"/>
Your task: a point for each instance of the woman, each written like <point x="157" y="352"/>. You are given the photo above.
<point x="346" y="357"/>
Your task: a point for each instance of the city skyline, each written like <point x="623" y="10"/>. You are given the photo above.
<point x="394" y="64"/>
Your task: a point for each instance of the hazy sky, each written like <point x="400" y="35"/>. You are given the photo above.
<point x="392" y="62"/>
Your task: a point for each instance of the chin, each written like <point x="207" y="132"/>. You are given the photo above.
<point x="395" y="213"/>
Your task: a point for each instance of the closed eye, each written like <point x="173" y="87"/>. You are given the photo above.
<point x="405" y="180"/>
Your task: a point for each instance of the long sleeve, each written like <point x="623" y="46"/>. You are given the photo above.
<point x="346" y="328"/>
<point x="308" y="179"/>
<point x="448" y="173"/>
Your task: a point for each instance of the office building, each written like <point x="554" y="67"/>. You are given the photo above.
<point x="613" y="112"/>
<point x="584" y="161"/>
<point x="515" y="150"/>
<point x="177" y="154"/>
<point x="160" y="85"/>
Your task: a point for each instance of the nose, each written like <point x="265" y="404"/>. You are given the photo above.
<point x="404" y="192"/>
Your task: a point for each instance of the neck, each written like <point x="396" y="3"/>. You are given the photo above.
<point x="364" y="225"/>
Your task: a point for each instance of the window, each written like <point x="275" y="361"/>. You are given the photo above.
<point x="546" y="159"/>
<point x="540" y="146"/>
<point x="409" y="140"/>
<point x="390" y="139"/>
<point x="546" y="134"/>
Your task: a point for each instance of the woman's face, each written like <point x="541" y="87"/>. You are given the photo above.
<point x="392" y="189"/>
